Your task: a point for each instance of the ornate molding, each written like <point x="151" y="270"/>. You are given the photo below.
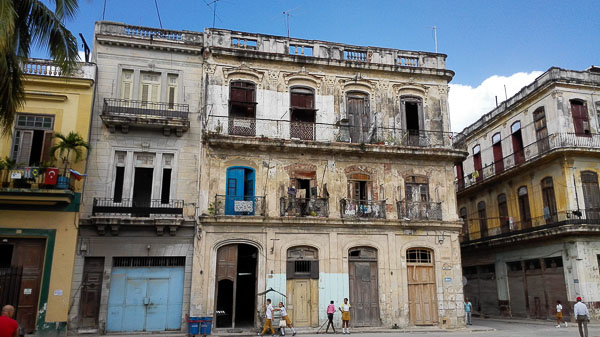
<point x="243" y="72"/>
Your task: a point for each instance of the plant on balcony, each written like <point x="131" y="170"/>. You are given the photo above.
<point x="6" y="165"/>
<point x="67" y="145"/>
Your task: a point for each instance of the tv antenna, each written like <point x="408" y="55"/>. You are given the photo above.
<point x="435" y="37"/>
<point x="288" y="14"/>
<point x="214" y="6"/>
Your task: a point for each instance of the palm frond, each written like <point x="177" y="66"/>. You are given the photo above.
<point x="7" y="28"/>
<point x="66" y="9"/>
<point x="12" y="95"/>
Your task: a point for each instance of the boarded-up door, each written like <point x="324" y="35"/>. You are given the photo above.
<point x="516" y="288"/>
<point x="358" y="117"/>
<point x="364" y="295"/>
<point x="422" y="303"/>
<point x="301" y="297"/>
<point x="481" y="289"/>
<point x="91" y="288"/>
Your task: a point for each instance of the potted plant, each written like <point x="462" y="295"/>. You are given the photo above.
<point x="6" y="165"/>
<point x="67" y="145"/>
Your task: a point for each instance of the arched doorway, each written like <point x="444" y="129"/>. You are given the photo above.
<point x="235" y="288"/>
<point x="422" y="303"/>
<point x="302" y="284"/>
<point x="364" y="294"/>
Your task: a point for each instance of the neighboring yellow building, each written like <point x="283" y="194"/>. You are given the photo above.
<point x="38" y="217"/>
<point x="529" y="197"/>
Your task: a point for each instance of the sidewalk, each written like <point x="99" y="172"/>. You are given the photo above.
<point x="593" y="323"/>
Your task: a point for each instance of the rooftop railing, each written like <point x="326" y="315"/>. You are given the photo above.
<point x="529" y="153"/>
<point x="419" y="210"/>
<point x="497" y="227"/>
<point x="115" y="106"/>
<point x="374" y="209"/>
<point x="324" y="132"/>
<point x="41" y="67"/>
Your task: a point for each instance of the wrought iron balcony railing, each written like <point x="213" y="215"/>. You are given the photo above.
<point x="135" y="208"/>
<point x="506" y="226"/>
<point x="419" y="210"/>
<point x="33" y="177"/>
<point x="362" y="208"/>
<point x="529" y="153"/>
<point x="239" y="205"/>
<point x="126" y="107"/>
<point x="324" y="132"/>
<point x="302" y="207"/>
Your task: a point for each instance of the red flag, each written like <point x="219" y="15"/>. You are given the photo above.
<point x="51" y="176"/>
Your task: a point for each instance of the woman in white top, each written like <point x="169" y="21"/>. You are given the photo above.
<point x="286" y="318"/>
<point x="345" y="309"/>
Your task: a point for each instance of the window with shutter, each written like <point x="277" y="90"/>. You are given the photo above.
<point x="150" y="88"/>
<point x="126" y="84"/>
<point x="48" y="136"/>
<point x="172" y="90"/>
<point x="32" y="139"/>
<point x="24" y="152"/>
<point x="580" y="117"/>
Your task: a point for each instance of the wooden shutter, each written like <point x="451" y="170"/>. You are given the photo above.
<point x="48" y="135"/>
<point x="25" y="147"/>
<point x="145" y="93"/>
<point x="126" y="84"/>
<point x="289" y="270"/>
<point x="314" y="269"/>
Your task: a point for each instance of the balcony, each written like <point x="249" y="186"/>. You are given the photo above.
<point x="128" y="207"/>
<point x="154" y="115"/>
<point x="510" y="229"/>
<point x="231" y="205"/>
<point x="419" y="210"/>
<point x="362" y="209"/>
<point x="31" y="187"/>
<point x="529" y="154"/>
<point x="328" y="133"/>
<point x="303" y="207"/>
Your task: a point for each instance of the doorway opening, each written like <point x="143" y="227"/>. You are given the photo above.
<point x="236" y="286"/>
<point x="142" y="191"/>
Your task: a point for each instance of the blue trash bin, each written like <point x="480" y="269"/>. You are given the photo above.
<point x="193" y="325"/>
<point x="205" y="325"/>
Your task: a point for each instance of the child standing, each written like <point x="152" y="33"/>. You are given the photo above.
<point x="268" y="319"/>
<point x="559" y="315"/>
<point x="286" y="318"/>
<point x="330" y="312"/>
<point x="345" y="309"/>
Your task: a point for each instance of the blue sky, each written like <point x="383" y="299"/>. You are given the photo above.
<point x="482" y="38"/>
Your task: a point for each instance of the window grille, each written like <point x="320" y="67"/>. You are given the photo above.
<point x="149" y="261"/>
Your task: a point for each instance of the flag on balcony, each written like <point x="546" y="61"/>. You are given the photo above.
<point x="51" y="176"/>
<point x="76" y="174"/>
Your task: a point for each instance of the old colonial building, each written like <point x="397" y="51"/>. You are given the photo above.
<point x="326" y="173"/>
<point x="40" y="197"/>
<point x="133" y="261"/>
<point x="529" y="197"/>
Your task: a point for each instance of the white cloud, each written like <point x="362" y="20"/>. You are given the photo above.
<point x="468" y="104"/>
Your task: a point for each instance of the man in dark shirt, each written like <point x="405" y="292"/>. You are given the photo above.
<point x="8" y="326"/>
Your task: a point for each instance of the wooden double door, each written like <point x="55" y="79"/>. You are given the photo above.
<point x="364" y="293"/>
<point x="28" y="255"/>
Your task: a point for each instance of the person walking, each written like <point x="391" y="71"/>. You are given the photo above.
<point x="468" y="308"/>
<point x="559" y="315"/>
<point x="345" y="309"/>
<point x="268" y="319"/>
<point x="330" y="312"/>
<point x="583" y="317"/>
<point x="286" y="318"/>
<point x="8" y="326"/>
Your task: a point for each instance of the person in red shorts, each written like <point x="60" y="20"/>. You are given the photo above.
<point x="8" y="326"/>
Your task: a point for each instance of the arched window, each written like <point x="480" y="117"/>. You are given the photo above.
<point x="591" y="194"/>
<point x="524" y="207"/>
<point x="581" y="122"/>
<point x="359" y="116"/>
<point x="550" y="214"/>
<point x="302" y="106"/>
<point x="517" y="143"/>
<point x="302" y="262"/>
<point x="419" y="256"/>
<point x="483" y="225"/>
<point x="478" y="171"/>
<point x="242" y="108"/>
<point x="541" y="132"/>
<point x="503" y="213"/>
<point x="411" y="108"/>
<point x="497" y="149"/>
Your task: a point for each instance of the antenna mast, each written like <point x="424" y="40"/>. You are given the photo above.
<point x="287" y="14"/>
<point x="214" y="3"/>
<point x="435" y="37"/>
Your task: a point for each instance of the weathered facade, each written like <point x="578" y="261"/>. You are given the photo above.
<point x="528" y="193"/>
<point x="133" y="261"/>
<point x="326" y="173"/>
<point x="40" y="198"/>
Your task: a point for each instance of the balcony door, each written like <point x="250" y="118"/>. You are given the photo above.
<point x="478" y="172"/>
<point x="239" y="199"/>
<point x="524" y="207"/>
<point x="142" y="190"/>
<point x="242" y="108"/>
<point x="591" y="194"/>
<point x="541" y="131"/>
<point x="580" y="118"/>
<point x="302" y="106"/>
<point x="517" y="141"/>
<point x="358" y="116"/>
<point x="497" y="149"/>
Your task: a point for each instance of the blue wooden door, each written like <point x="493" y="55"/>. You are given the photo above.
<point x="145" y="299"/>
<point x="240" y="187"/>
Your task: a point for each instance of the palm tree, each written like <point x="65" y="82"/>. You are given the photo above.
<point x="24" y="23"/>
<point x="73" y="142"/>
